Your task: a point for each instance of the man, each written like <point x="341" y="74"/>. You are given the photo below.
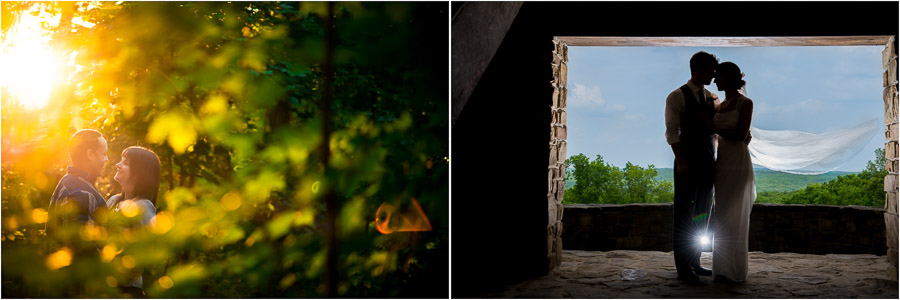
<point x="75" y="200"/>
<point x="693" y="145"/>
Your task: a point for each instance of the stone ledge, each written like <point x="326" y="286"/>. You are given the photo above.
<point x="814" y="229"/>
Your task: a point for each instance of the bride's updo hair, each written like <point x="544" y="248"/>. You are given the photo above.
<point x="730" y="71"/>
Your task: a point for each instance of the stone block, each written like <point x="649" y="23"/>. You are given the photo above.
<point x="640" y="230"/>
<point x="851" y="227"/>
<point x="563" y="74"/>
<point x="892" y="72"/>
<point x="888" y="54"/>
<point x="610" y="219"/>
<point x="559" y="250"/>
<point x="563" y="117"/>
<point x="889" y="96"/>
<point x="562" y="98"/>
<point x="561" y="132"/>
<point x="621" y="230"/>
<point x="562" y="150"/>
<point x="892" y="256"/>
<point x="636" y="243"/>
<point x="825" y="224"/>
<point x="891" y="166"/>
<point x="641" y="219"/>
<point x="890" y="222"/>
<point x="890" y="148"/>
<point x="554" y="156"/>
<point x="559" y="228"/>
<point x="890" y="132"/>
<point x="559" y="210"/>
<point x="551" y="211"/>
<point x="585" y="221"/>
<point x="560" y="186"/>
<point x="626" y="219"/>
<point x="890" y="183"/>
<point x="557" y="93"/>
<point x="890" y="201"/>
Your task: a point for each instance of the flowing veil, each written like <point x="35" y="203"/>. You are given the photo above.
<point x="806" y="153"/>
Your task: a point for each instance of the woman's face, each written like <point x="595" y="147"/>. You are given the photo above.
<point x="123" y="172"/>
<point x="721" y="84"/>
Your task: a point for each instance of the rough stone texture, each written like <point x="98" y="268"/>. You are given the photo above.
<point x="556" y="170"/>
<point x="815" y="229"/>
<point x="889" y="62"/>
<point x="651" y="274"/>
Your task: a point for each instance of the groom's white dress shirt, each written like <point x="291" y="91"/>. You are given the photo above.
<point x="674" y="108"/>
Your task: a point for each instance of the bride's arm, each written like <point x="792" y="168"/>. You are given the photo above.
<point x="740" y="132"/>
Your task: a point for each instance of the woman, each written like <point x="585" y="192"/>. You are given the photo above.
<point x="735" y="187"/>
<point x="138" y="173"/>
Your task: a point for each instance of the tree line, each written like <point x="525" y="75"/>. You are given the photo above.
<point x="603" y="183"/>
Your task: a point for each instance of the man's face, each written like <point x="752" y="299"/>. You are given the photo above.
<point x="98" y="157"/>
<point x="708" y="73"/>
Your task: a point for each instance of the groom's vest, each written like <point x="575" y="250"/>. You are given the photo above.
<point x="697" y="141"/>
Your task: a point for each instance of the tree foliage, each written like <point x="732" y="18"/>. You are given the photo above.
<point x="865" y="188"/>
<point x="600" y="182"/>
<point x="229" y="96"/>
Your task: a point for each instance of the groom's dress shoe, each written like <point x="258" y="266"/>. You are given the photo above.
<point x="702" y="271"/>
<point x="689" y="277"/>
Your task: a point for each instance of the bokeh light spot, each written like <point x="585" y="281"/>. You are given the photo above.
<point x="59" y="259"/>
<point x="166" y="282"/>
<point x="231" y="201"/>
<point x="162" y="223"/>
<point x="128" y="262"/>
<point x="111" y="281"/>
<point x="39" y="215"/>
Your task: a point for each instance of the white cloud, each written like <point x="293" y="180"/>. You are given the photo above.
<point x="586" y="96"/>
<point x="591" y="97"/>
<point x="615" y="107"/>
<point x="633" y="117"/>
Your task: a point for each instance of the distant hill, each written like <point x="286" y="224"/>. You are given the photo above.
<point x="766" y="180"/>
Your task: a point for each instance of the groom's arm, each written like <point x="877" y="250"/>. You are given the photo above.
<point x="674" y="107"/>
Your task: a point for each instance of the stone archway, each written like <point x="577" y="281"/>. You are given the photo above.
<point x="556" y="173"/>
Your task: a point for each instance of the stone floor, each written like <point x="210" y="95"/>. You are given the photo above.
<point x="651" y="274"/>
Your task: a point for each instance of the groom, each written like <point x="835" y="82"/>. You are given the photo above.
<point x="693" y="145"/>
<point x="75" y="199"/>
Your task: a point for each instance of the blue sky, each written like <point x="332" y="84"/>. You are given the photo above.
<point x="616" y="97"/>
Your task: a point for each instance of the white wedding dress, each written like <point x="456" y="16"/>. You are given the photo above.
<point x="735" y="192"/>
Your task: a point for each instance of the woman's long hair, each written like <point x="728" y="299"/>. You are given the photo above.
<point x="145" y="171"/>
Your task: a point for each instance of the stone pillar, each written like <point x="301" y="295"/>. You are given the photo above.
<point x="889" y="60"/>
<point x="556" y="183"/>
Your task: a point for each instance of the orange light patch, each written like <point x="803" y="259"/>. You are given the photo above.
<point x="389" y="220"/>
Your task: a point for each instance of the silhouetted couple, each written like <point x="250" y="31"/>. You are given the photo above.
<point x="76" y="205"/>
<point x="697" y="125"/>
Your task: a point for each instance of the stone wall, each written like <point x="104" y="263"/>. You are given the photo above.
<point x="889" y="60"/>
<point x="813" y="229"/>
<point x="556" y="171"/>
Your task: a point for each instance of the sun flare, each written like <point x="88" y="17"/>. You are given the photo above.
<point x="30" y="67"/>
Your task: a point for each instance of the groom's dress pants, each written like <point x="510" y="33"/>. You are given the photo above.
<point x="693" y="200"/>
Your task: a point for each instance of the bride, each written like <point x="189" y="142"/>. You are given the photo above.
<point x="735" y="187"/>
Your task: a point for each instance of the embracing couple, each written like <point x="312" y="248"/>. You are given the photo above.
<point x="697" y="125"/>
<point x="76" y="203"/>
